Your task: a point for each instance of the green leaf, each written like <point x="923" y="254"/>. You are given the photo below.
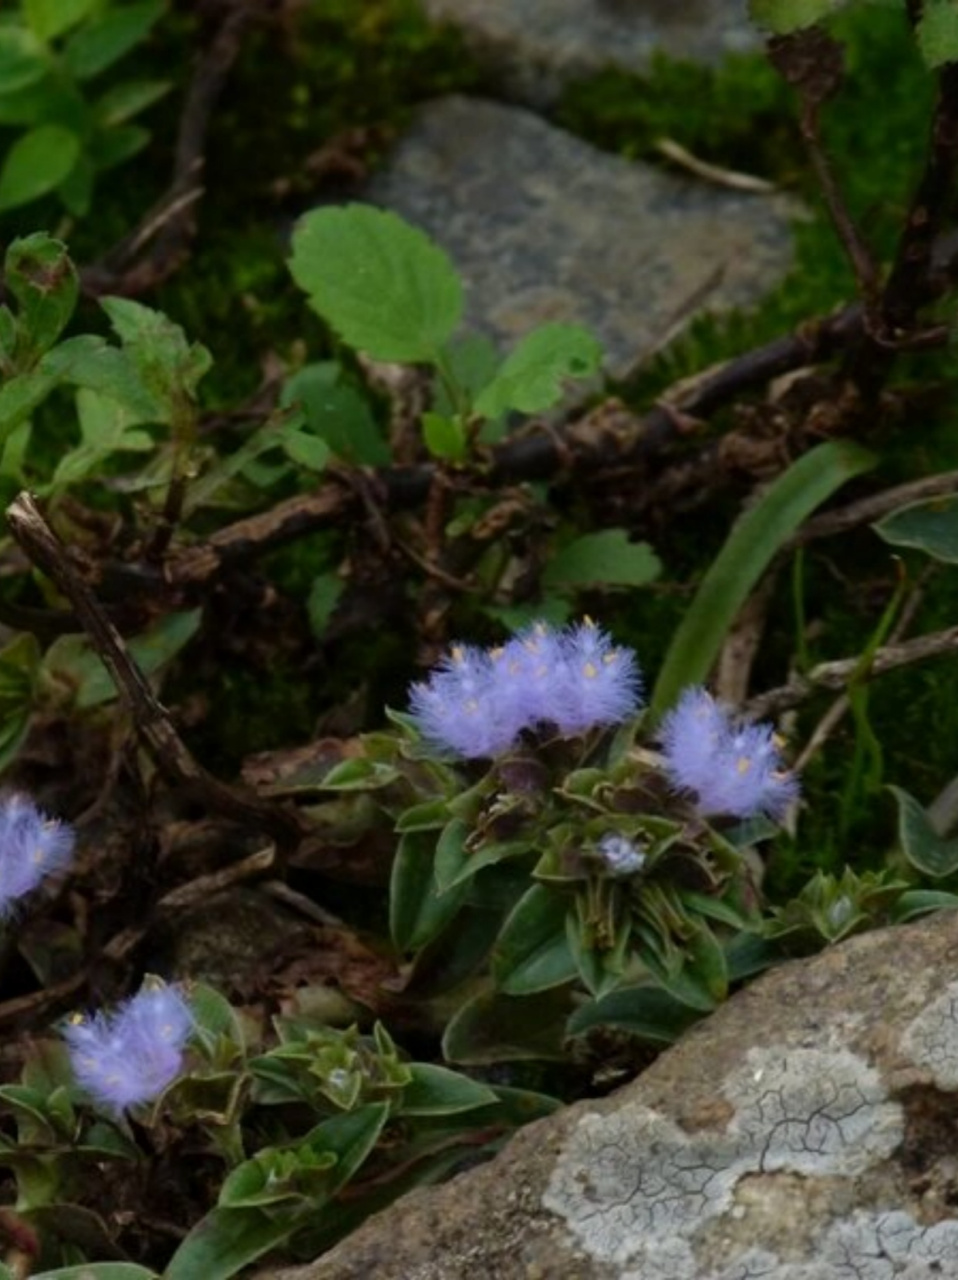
<point x="937" y="33"/>
<point x="321" y="603"/>
<point x="226" y="1241"/>
<point x="305" y="450"/>
<point x="168" y="366"/>
<point x="533" y="376"/>
<point x="103" y="41"/>
<point x="126" y="100"/>
<point x="48" y="19"/>
<point x="751" y="546"/>
<point x="381" y="284"/>
<point x="337" y="413"/>
<point x="532" y="952"/>
<point x="38" y="272"/>
<point x="72" y="661"/>
<point x="783" y="16"/>
<point x="418" y="912"/>
<point x="36" y="164"/>
<point x="604" y="559"/>
<point x="494" y="1028"/>
<point x="110" y="147"/>
<point x="918" y="902"/>
<point x="93" y="1271"/>
<point x="931" y="526"/>
<point x="932" y="854"/>
<point x="444" y="437"/>
<point x="19" y="667"/>
<point x="647" y="1012"/>
<point x="106" y="428"/>
<point x="437" y="1091"/>
<point x="23" y="61"/>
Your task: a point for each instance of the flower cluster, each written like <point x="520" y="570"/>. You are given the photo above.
<point x="32" y="846"/>
<point x="732" y="767"/>
<point x="130" y="1057"/>
<point x="479" y="700"/>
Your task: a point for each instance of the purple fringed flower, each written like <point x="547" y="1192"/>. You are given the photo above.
<point x="32" y="846"/>
<point x="130" y="1056"/>
<point x="732" y="767"/>
<point x="478" y="701"/>
<point x="597" y="683"/>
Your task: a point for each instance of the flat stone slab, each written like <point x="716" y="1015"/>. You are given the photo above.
<point x="532" y="48"/>
<point x="807" y="1130"/>
<point x="544" y="227"/>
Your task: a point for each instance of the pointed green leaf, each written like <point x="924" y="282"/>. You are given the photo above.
<point x="930" y="526"/>
<point x="494" y="1028"/>
<point x="104" y="40"/>
<point x="532" y="952"/>
<point x="751" y="546"/>
<point x="38" y="272"/>
<point x="437" y="1091"/>
<point x="37" y="163"/>
<point x="50" y="18"/>
<point x="924" y="848"/>
<point x="418" y="911"/>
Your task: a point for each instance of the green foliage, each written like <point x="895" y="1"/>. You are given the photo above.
<point x="385" y="288"/>
<point x="930" y="526"/>
<point x="750" y="548"/>
<point x="325" y="1108"/>
<point x="938" y="33"/>
<point x="51" y="54"/>
<point x="926" y="849"/>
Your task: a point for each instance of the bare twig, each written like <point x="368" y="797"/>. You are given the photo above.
<point x="152" y="721"/>
<point x="836" y="675"/>
<point x="868" y="510"/>
<point x="170" y="226"/>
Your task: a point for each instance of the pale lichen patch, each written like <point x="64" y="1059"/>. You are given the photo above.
<point x="931" y="1040"/>
<point x="635" y="1188"/>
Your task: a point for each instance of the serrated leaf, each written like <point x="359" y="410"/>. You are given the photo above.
<point x="937" y="32"/>
<point x="603" y="559"/>
<point x="930" y="526"/>
<point x="380" y="283"/>
<point x="39" y="274"/>
<point x="783" y="16"/>
<point x="752" y="544"/>
<point x="103" y="41"/>
<point x="36" y="164"/>
<point x="533" y="376"/>
<point x="932" y="854"/>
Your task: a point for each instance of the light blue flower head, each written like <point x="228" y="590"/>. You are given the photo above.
<point x="731" y="767"/>
<point x="477" y="702"/>
<point x="32" y="847"/>
<point x="130" y="1056"/>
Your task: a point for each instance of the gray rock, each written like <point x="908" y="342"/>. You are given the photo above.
<point x="543" y="227"/>
<point x="531" y="48"/>
<point x="806" y="1131"/>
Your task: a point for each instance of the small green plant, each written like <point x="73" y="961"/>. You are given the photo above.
<point x="53" y="54"/>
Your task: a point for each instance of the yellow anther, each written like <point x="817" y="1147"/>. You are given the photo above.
<point x="590" y="671"/>
<point x="743" y="764"/>
<point x="458" y="653"/>
<point x="610" y="657"/>
<point x="587" y="621"/>
<point x="496" y="654"/>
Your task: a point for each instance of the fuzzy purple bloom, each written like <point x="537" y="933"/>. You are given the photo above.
<point x="731" y="766"/>
<point x="130" y="1056"/>
<point x="478" y="701"/>
<point x="32" y="846"/>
